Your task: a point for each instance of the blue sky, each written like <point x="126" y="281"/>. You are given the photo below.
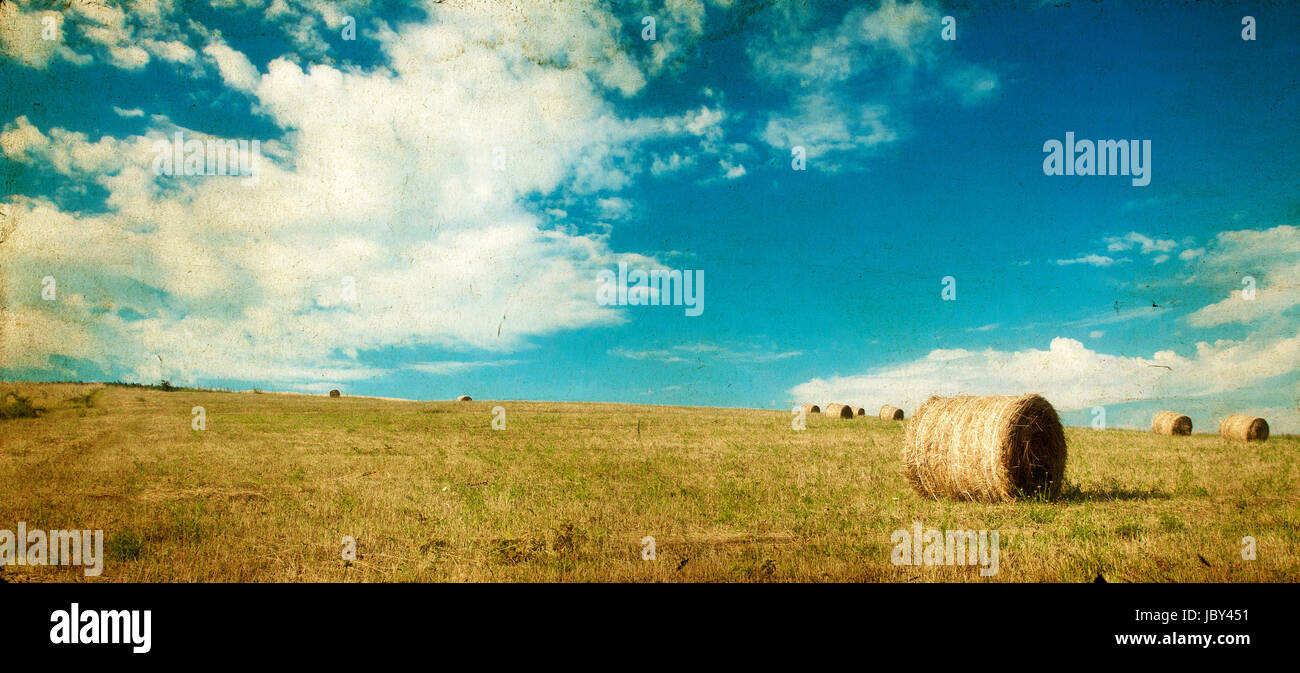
<point x="437" y="197"/>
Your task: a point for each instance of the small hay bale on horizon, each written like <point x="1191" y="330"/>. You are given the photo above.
<point x="335" y="393"/>
<point x="1244" y="428"/>
<point x="890" y="413"/>
<point x="464" y="398"/>
<point x="859" y="411"/>
<point x="1171" y="423"/>
<point x="985" y="449"/>
<point x="810" y="408"/>
<point x="838" y="411"/>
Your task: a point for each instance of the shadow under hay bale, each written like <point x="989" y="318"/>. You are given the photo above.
<point x="1171" y="423"/>
<point x="335" y="393"/>
<point x="1244" y="428"/>
<point x="464" y="398"/>
<point x="838" y="411"/>
<point x="811" y="409"/>
<point x="985" y="449"/>
<point x="888" y="413"/>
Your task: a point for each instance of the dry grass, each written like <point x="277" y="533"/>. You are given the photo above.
<point x="1171" y="423"/>
<point x="567" y="491"/>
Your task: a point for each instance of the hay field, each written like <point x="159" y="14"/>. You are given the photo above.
<point x="566" y="492"/>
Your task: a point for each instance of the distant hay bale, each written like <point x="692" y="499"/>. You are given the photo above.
<point x="464" y="398"/>
<point x="811" y="409"/>
<point x="888" y="413"/>
<point x="1171" y="423"/>
<point x="335" y="393"/>
<point x="838" y="411"/>
<point x="1244" y="428"/>
<point x="859" y="411"/>
<point x="985" y="449"/>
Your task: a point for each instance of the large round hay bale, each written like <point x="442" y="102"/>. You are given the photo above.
<point x="335" y="393"/>
<point x="464" y="398"/>
<point x="888" y="413"/>
<point x="1244" y="428"/>
<point x="811" y="409"/>
<point x="986" y="449"/>
<point x="838" y="411"/>
<point x="1171" y="423"/>
<point x="859" y="411"/>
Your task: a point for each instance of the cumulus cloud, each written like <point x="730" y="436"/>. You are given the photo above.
<point x="235" y="68"/>
<point x="1268" y="259"/>
<point x="393" y="210"/>
<point x="1073" y="376"/>
<point x="1067" y="373"/>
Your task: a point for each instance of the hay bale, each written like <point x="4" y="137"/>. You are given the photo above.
<point x="335" y="393"/>
<point x="464" y="398"/>
<point x="811" y="409"/>
<point x="985" y="449"/>
<point x="1171" y="423"/>
<point x="859" y="411"/>
<point x="1244" y="428"/>
<point x="888" y="413"/>
<point x="838" y="411"/>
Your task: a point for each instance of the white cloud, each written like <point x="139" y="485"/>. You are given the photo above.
<point x="1091" y="259"/>
<point x="1146" y="244"/>
<point x="1268" y="303"/>
<point x="235" y="68"/>
<point x="887" y="45"/>
<point x="973" y="84"/>
<point x="822" y="125"/>
<point x="1068" y="374"/>
<point x="385" y="177"/>
<point x="708" y="351"/>
<point x="133" y="112"/>
<point x="1191" y="253"/>
<point x="1271" y="257"/>
<point x="730" y="171"/>
<point x="174" y="51"/>
<point x="20" y="35"/>
<point x="448" y="367"/>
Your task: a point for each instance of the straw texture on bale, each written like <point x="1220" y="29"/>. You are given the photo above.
<point x="1244" y="428"/>
<point x="811" y="409"/>
<point x="335" y="393"/>
<point x="859" y="411"/>
<point x="985" y="449"/>
<point x="464" y="398"/>
<point x="838" y="411"/>
<point x="1171" y="423"/>
<point x="888" y="413"/>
